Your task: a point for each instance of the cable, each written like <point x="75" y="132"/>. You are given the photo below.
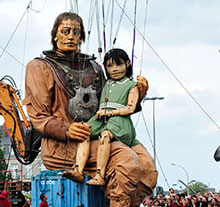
<point x="103" y="19"/>
<point x="166" y="66"/>
<point x="119" y="23"/>
<point x="13" y="57"/>
<point x="98" y="28"/>
<point x="111" y="25"/>
<point x="142" y="49"/>
<point x="155" y="153"/>
<point x="134" y="24"/>
<point x="90" y="21"/>
<point x="25" y="43"/>
<point x="39" y="11"/>
<point x="15" y="29"/>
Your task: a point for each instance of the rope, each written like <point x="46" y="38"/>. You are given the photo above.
<point x="98" y="28"/>
<point x="25" y="41"/>
<point x="111" y="24"/>
<point x="90" y="21"/>
<point x="41" y="10"/>
<point x="15" y="29"/>
<point x="13" y="57"/>
<point x="157" y="158"/>
<point x="71" y="6"/>
<point x="132" y="56"/>
<point x="103" y="17"/>
<point x="175" y="77"/>
<point x="119" y="23"/>
<point x="142" y="49"/>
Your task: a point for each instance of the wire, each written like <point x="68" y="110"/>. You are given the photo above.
<point x="157" y="158"/>
<point x="71" y="6"/>
<point x="15" y="29"/>
<point x="41" y="10"/>
<point x="142" y="49"/>
<point x="103" y="17"/>
<point x="119" y="23"/>
<point x="134" y="24"/>
<point x="166" y="66"/>
<point x="111" y="25"/>
<point x="13" y="57"/>
<point x="98" y="28"/>
<point x="25" y="43"/>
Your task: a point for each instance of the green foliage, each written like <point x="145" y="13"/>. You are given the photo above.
<point x="3" y="164"/>
<point x="198" y="186"/>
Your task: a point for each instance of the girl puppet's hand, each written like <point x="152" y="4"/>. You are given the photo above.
<point x="143" y="86"/>
<point x="102" y="112"/>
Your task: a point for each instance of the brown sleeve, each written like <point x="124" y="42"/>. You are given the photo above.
<point x="39" y="92"/>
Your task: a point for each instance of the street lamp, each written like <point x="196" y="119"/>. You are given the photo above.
<point x="154" y="137"/>
<point x="187" y="176"/>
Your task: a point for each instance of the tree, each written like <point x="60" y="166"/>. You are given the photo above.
<point x="198" y="186"/>
<point x="3" y="164"/>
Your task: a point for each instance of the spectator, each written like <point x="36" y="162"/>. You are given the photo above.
<point x="170" y="202"/>
<point x="188" y="202"/>
<point x="148" y="201"/>
<point x="156" y="203"/>
<point x="177" y="201"/>
<point x="214" y="201"/>
<point x="194" y="201"/>
<point x="204" y="202"/>
<point x="172" y="193"/>
<point x="43" y="198"/>
<point x="4" y="202"/>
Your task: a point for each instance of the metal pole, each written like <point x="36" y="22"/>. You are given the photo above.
<point x="154" y="134"/>
<point x="187" y="176"/>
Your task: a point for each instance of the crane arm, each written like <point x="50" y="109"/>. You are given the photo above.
<point x="24" y="138"/>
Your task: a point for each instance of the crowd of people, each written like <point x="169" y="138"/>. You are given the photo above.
<point x="208" y="199"/>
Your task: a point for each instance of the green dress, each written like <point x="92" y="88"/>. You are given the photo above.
<point x="115" y="95"/>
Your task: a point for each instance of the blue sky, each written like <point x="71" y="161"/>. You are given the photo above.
<point x="185" y="35"/>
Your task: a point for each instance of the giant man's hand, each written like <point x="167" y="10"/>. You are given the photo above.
<point x="143" y="86"/>
<point x="78" y="131"/>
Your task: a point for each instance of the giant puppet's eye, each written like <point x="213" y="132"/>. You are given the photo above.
<point x="65" y="31"/>
<point x="76" y="31"/>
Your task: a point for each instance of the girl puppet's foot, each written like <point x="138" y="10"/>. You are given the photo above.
<point x="73" y="175"/>
<point x="97" y="180"/>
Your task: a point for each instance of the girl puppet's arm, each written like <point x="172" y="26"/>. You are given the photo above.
<point x="133" y="97"/>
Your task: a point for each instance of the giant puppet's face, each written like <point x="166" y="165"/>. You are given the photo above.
<point x="68" y="35"/>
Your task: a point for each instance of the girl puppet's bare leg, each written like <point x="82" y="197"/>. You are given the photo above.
<point x="102" y="158"/>
<point x="82" y="155"/>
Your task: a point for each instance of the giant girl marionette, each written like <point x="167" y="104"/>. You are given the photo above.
<point x="112" y="121"/>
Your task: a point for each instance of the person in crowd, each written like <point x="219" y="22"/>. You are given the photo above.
<point x="188" y="202"/>
<point x="148" y="201"/>
<point x="172" y="193"/>
<point x="156" y="203"/>
<point x="194" y="201"/>
<point x="169" y="201"/>
<point x="177" y="201"/>
<point x="4" y="202"/>
<point x="204" y="202"/>
<point x="43" y="198"/>
<point x="62" y="91"/>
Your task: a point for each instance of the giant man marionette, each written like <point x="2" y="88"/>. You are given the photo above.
<point x="62" y="93"/>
